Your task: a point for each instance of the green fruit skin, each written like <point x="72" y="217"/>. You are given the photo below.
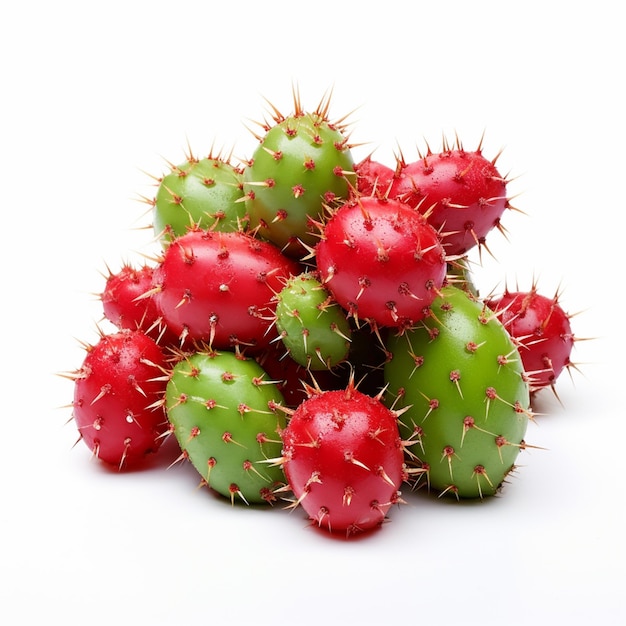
<point x="207" y="193"/>
<point x="444" y="371"/>
<point x="219" y="406"/>
<point x="312" y="326"/>
<point x="307" y="164"/>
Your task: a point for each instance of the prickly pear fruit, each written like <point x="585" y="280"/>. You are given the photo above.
<point x="218" y="288"/>
<point x="381" y="261"/>
<point x="204" y="193"/>
<point x="302" y="163"/>
<point x="220" y="405"/>
<point x="542" y="331"/>
<point x="461" y="377"/>
<point x="343" y="459"/>
<point x="127" y="302"/>
<point x="312" y="326"/>
<point x="462" y="193"/>
<point x="117" y="394"/>
<point x="372" y="177"/>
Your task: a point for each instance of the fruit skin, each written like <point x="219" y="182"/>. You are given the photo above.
<point x="127" y="302"/>
<point x="462" y="193"/>
<point x="218" y="288"/>
<point x="542" y="331"/>
<point x="372" y="177"/>
<point x="204" y="193"/>
<point x="460" y="380"/>
<point x="122" y="298"/>
<point x="312" y="326"/>
<point x="117" y="394"/>
<point x="303" y="162"/>
<point x="220" y="405"/>
<point x="344" y="459"/>
<point x="381" y="261"/>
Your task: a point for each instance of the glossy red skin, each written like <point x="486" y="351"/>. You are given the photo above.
<point x="463" y="191"/>
<point x="327" y="441"/>
<point x="401" y="283"/>
<point x="217" y="288"/>
<point x="128" y="304"/>
<point x="543" y="331"/>
<point x="113" y="393"/>
<point x="373" y="177"/>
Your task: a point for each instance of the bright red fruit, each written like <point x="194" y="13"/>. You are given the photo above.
<point x="462" y="193"/>
<point x="343" y="459"/>
<point x="116" y="398"/>
<point x="542" y="330"/>
<point x="381" y="260"/>
<point x="218" y="288"/>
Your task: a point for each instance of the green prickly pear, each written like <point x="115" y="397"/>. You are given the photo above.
<point x="312" y="325"/>
<point x="459" y="378"/>
<point x="199" y="193"/>
<point x="302" y="164"/>
<point x="221" y="409"/>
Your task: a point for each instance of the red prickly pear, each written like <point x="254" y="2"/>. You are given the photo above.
<point x="218" y="287"/>
<point x="462" y="193"/>
<point x="118" y="393"/>
<point x="373" y="178"/>
<point x="381" y="261"/>
<point x="542" y="331"/>
<point x="343" y="459"/>
<point x="128" y="303"/>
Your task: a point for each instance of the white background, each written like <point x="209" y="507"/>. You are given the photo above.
<point x="98" y="97"/>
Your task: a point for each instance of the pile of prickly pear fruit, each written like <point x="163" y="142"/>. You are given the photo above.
<point x="311" y="334"/>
